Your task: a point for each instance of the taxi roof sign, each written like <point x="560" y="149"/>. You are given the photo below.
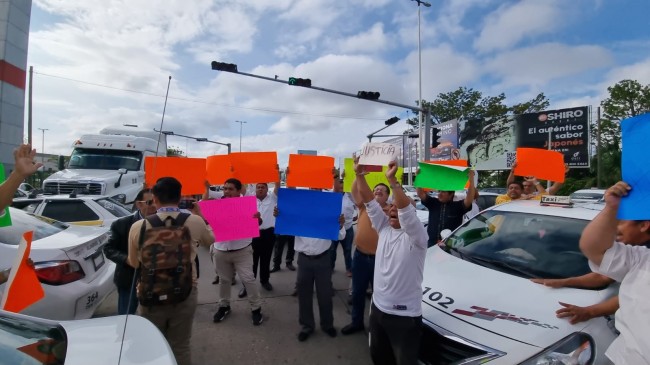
<point x="559" y="200"/>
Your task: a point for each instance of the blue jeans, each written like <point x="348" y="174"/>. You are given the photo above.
<point x="363" y="271"/>
<point x="347" y="249"/>
<point x="123" y="301"/>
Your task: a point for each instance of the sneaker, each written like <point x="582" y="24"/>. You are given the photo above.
<point x="290" y="266"/>
<point x="351" y="328"/>
<point x="330" y="332"/>
<point x="221" y="314"/>
<point x="267" y="286"/>
<point x="242" y="293"/>
<point x="257" y="317"/>
<point x="275" y="269"/>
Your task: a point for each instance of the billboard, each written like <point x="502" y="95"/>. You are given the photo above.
<point x="565" y="130"/>
<point x="308" y="152"/>
<point x="448" y="142"/>
<point x="487" y="143"/>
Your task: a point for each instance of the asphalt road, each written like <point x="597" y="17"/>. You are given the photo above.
<point x="237" y="341"/>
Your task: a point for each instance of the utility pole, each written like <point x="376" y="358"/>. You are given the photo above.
<point x="43" y="147"/>
<point x="241" y="126"/>
<point x="598" y="150"/>
<point x="29" y="106"/>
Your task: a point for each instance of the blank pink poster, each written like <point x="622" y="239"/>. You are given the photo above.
<point x="231" y="218"/>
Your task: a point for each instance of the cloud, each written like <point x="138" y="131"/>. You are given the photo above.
<point x="372" y="40"/>
<point x="510" y="24"/>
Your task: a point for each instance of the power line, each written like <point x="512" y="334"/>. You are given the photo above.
<point x="268" y="110"/>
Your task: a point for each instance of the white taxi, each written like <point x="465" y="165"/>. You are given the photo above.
<point x="479" y="305"/>
<point x="69" y="262"/>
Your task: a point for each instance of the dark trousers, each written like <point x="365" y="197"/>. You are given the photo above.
<point x="394" y="339"/>
<point x="127" y="301"/>
<point x="314" y="270"/>
<point x="347" y="249"/>
<point x="280" y="242"/>
<point x="363" y="270"/>
<point x="262" y="251"/>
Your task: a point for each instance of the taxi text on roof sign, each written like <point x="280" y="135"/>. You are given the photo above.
<point x="555" y="200"/>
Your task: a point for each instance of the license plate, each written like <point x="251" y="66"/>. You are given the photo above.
<point x="98" y="260"/>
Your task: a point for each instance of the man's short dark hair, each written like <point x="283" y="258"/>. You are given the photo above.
<point x="235" y="182"/>
<point x="521" y="185"/>
<point x="167" y="190"/>
<point x="384" y="185"/>
<point x="265" y="184"/>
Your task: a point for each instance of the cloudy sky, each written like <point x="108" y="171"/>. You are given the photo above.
<point x="107" y="63"/>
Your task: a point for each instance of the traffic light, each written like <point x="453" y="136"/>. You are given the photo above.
<point x="221" y="66"/>
<point x="299" y="82"/>
<point x="368" y="95"/>
<point x="391" y="121"/>
<point x="434" y="137"/>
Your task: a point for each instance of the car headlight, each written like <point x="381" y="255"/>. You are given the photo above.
<point x="576" y="349"/>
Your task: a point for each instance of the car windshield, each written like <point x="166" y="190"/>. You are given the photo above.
<point x="113" y="206"/>
<point x="586" y="196"/>
<point x="22" y="222"/>
<point x="522" y="244"/>
<point x="105" y="159"/>
<point x="28" y="341"/>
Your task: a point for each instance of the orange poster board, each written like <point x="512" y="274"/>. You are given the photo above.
<point x="255" y="167"/>
<point x="218" y="168"/>
<point x="310" y="171"/>
<point x="543" y="164"/>
<point x="23" y="287"/>
<point x="189" y="171"/>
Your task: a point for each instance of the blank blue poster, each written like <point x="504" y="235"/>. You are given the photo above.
<point x="308" y="213"/>
<point x="635" y="133"/>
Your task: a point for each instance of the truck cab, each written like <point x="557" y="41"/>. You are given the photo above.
<point x="110" y="163"/>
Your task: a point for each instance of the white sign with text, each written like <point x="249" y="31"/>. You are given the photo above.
<point x="378" y="154"/>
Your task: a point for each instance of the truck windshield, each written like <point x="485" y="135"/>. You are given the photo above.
<point x="105" y="159"/>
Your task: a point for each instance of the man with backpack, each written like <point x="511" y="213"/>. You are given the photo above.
<point x="163" y="247"/>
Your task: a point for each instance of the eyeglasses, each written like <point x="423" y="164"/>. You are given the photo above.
<point x="147" y="202"/>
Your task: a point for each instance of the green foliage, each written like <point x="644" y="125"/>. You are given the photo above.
<point x="173" y="151"/>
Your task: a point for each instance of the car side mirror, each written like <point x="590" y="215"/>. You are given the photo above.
<point x="121" y="171"/>
<point x="445" y="233"/>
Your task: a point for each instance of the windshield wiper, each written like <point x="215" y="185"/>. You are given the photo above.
<point x="498" y="264"/>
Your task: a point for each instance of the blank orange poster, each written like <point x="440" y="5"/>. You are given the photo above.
<point x="189" y="171"/>
<point x="310" y="171"/>
<point x="23" y="287"/>
<point x="218" y="168"/>
<point x="543" y="164"/>
<point x="255" y="167"/>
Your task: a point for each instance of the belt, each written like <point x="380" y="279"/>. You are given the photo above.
<point x="238" y="249"/>
<point x="313" y="257"/>
<point x="266" y="229"/>
<point x="364" y="254"/>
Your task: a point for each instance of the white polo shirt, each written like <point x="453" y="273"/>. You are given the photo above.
<point x="314" y="246"/>
<point x="629" y="265"/>
<point x="347" y="209"/>
<point x="265" y="207"/>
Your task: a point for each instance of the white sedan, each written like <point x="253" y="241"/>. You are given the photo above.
<point x="107" y="341"/>
<point x="478" y="304"/>
<point x="69" y="262"/>
<point x="84" y="210"/>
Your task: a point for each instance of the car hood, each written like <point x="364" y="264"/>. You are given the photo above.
<point x="85" y="175"/>
<point x="99" y="340"/>
<point x="497" y="302"/>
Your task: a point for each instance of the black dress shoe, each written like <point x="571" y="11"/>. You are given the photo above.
<point x="275" y="269"/>
<point x="330" y="332"/>
<point x="242" y="293"/>
<point x="351" y="328"/>
<point x="290" y="266"/>
<point x="303" y="335"/>
<point x="267" y="286"/>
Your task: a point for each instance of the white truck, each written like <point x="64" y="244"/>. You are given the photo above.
<point x="110" y="163"/>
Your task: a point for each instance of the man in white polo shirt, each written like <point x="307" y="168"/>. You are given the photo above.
<point x="263" y="245"/>
<point x="396" y="311"/>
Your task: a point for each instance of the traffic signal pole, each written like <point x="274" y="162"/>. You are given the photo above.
<point x="427" y="120"/>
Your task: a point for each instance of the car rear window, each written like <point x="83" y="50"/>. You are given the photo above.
<point x="30" y="341"/>
<point x="22" y="222"/>
<point x="522" y="244"/>
<point x="113" y="207"/>
<point x="69" y="211"/>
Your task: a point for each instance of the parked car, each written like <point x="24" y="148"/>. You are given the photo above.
<point x="85" y="210"/>
<point x="411" y="192"/>
<point x="493" y="190"/>
<point x="480" y="306"/>
<point x="486" y="199"/>
<point x="69" y="263"/>
<point x="107" y="340"/>
<point x="587" y="195"/>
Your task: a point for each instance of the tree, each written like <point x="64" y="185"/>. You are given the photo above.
<point x="173" y="151"/>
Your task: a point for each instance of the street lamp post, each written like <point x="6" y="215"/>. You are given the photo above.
<point x="198" y="139"/>
<point x="241" y="125"/>
<point x="420" y="124"/>
<point x="43" y="146"/>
